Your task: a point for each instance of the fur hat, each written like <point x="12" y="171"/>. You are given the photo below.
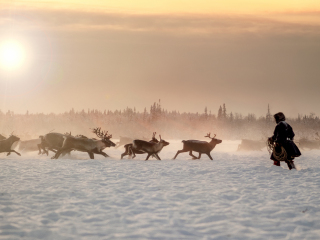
<point x="279" y="117"/>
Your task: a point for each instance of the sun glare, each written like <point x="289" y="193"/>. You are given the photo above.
<point x="11" y="55"/>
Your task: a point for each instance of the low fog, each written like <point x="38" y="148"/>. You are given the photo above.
<point x="170" y="124"/>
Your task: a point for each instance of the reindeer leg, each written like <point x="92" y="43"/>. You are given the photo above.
<point x="91" y="155"/>
<point x="123" y="154"/>
<point x="45" y="151"/>
<point x="178" y="152"/>
<point x="56" y="156"/>
<point x="193" y="156"/>
<point x="199" y="155"/>
<point x="148" y="156"/>
<point x="132" y="152"/>
<point x="52" y="150"/>
<point x="16" y="152"/>
<point x="104" y="154"/>
<point x="157" y="156"/>
<point x="209" y="156"/>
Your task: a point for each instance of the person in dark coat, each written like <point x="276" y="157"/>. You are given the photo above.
<point x="283" y="136"/>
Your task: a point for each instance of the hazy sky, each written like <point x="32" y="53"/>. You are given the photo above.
<point x="190" y="54"/>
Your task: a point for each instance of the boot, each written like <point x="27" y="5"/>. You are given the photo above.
<point x="277" y="163"/>
<point x="290" y="164"/>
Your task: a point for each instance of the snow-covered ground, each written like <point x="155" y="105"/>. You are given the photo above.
<point x="235" y="196"/>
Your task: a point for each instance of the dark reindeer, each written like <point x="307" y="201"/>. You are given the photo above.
<point x="6" y="144"/>
<point x="129" y="150"/>
<point x="51" y="142"/>
<point x="89" y="145"/>
<point x="199" y="146"/>
<point x="151" y="148"/>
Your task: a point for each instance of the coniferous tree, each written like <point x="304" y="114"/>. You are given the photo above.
<point x="205" y="113"/>
<point x="224" y="112"/>
<point x="268" y="116"/>
<point x="231" y="118"/>
<point x="220" y="113"/>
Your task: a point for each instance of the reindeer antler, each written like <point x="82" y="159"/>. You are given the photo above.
<point x="101" y="134"/>
<point x="97" y="131"/>
<point x="208" y="135"/>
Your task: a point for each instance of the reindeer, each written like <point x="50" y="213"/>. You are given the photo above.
<point x="151" y="148"/>
<point x="199" y="146"/>
<point x="51" y="142"/>
<point x="6" y="144"/>
<point x="88" y="145"/>
<point x="129" y="150"/>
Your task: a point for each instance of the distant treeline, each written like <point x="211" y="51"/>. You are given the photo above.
<point x="170" y="124"/>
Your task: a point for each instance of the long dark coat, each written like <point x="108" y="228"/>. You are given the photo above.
<point x="283" y="134"/>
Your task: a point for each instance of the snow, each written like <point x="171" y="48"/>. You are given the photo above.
<point x="238" y="195"/>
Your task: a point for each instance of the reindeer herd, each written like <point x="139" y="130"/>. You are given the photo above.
<point x="62" y="144"/>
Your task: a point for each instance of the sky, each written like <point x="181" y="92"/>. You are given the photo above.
<point x="190" y="54"/>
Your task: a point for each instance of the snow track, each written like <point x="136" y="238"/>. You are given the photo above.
<point x="235" y="196"/>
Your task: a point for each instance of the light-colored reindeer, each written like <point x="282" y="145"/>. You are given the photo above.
<point x="199" y="146"/>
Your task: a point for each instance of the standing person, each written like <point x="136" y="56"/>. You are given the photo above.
<point x="282" y="140"/>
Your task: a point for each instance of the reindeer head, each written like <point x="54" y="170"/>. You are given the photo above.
<point x="13" y="138"/>
<point x="104" y="137"/>
<point x="165" y="143"/>
<point x="213" y="139"/>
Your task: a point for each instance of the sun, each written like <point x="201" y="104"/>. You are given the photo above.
<point x="12" y="54"/>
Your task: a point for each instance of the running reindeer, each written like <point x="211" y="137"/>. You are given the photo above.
<point x="89" y="145"/>
<point x="52" y="142"/>
<point x="151" y="148"/>
<point x="6" y="145"/>
<point x="129" y="150"/>
<point x="199" y="146"/>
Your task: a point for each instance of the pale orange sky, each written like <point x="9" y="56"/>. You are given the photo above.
<point x="186" y="6"/>
<point x="190" y="54"/>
